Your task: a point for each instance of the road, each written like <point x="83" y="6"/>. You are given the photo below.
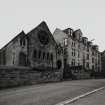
<point x="48" y="94"/>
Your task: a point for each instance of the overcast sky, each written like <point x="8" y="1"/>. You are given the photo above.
<point x="18" y="15"/>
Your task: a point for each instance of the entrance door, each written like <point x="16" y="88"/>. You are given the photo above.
<point x="59" y="64"/>
<point x="22" y="59"/>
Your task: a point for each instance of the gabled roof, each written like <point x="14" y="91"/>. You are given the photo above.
<point x="67" y="30"/>
<point x="89" y="43"/>
<point x="21" y="34"/>
<point x="44" y="26"/>
<point x="78" y="30"/>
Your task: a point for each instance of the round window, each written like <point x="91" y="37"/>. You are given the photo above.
<point x="43" y="37"/>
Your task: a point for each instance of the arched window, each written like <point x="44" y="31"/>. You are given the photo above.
<point x="34" y="53"/>
<point x="47" y="56"/>
<point x="22" y="42"/>
<point x="22" y="59"/>
<point x="39" y="55"/>
<point x="43" y="55"/>
<point x="51" y="57"/>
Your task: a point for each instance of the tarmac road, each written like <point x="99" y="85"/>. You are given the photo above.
<point x="48" y="94"/>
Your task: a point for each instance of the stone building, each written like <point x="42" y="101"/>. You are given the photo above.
<point x="103" y="62"/>
<point x="36" y="49"/>
<point x="67" y="51"/>
<point x="11" y="53"/>
<point x="80" y="54"/>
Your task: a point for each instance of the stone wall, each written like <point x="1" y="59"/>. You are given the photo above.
<point x="81" y="75"/>
<point x="17" y="76"/>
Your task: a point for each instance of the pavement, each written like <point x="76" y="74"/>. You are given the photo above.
<point x="97" y="98"/>
<point x="50" y="93"/>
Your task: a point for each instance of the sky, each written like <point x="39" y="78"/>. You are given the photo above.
<point x="87" y="15"/>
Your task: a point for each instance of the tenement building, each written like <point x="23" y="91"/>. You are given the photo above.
<point x="80" y="55"/>
<point x="103" y="62"/>
<point x="66" y="50"/>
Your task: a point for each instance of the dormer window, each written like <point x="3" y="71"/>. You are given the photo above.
<point x="87" y="49"/>
<point x="65" y="42"/>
